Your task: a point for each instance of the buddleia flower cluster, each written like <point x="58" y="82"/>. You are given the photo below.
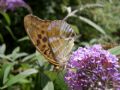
<point x="12" y="5"/>
<point x="92" y="68"/>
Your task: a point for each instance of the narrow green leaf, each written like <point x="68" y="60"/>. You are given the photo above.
<point x="41" y="59"/>
<point x="49" y="86"/>
<point x="2" y="49"/>
<point x="1" y="38"/>
<point x="0" y="73"/>
<point x="19" y="77"/>
<point x="86" y="20"/>
<point x="115" y="50"/>
<point x="42" y="82"/>
<point x="23" y="39"/>
<point x="59" y="83"/>
<point x="19" y="55"/>
<point x="7" y="18"/>
<point x="16" y="50"/>
<point x="3" y="67"/>
<point x="52" y="75"/>
<point x="14" y="53"/>
<point x="24" y="81"/>
<point x="28" y="57"/>
<point x="6" y="72"/>
<point x="10" y="31"/>
<point x="75" y="28"/>
<point x="5" y="57"/>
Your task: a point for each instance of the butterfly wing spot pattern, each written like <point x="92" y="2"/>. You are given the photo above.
<point x="36" y="30"/>
<point x="53" y="39"/>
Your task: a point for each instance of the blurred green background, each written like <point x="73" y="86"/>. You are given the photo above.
<point x="22" y="68"/>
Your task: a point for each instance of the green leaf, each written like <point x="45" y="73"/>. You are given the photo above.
<point x="75" y="28"/>
<point x="1" y="38"/>
<point x="7" y="18"/>
<point x="43" y="82"/>
<point x="52" y="75"/>
<point x="49" y="86"/>
<point x="19" y="55"/>
<point x="1" y="73"/>
<point x="15" y="54"/>
<point x="60" y="83"/>
<point x="10" y="31"/>
<point x="115" y="50"/>
<point x="5" y="57"/>
<point x="19" y="77"/>
<point x="2" y="49"/>
<point x="16" y="50"/>
<point x="41" y="59"/>
<point x="2" y="70"/>
<point x="6" y="72"/>
<point x="24" y="81"/>
<point x="23" y="39"/>
<point x="86" y="20"/>
<point x="28" y="57"/>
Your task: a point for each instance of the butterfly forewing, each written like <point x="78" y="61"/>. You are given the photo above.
<point x="37" y="31"/>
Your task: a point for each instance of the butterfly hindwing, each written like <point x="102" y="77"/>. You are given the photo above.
<point x="37" y="31"/>
<point x="62" y="41"/>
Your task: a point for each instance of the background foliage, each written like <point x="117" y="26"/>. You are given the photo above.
<point x="22" y="68"/>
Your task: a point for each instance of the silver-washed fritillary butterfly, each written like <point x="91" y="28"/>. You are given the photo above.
<point x="53" y="39"/>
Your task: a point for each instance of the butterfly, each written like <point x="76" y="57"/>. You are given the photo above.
<point x="53" y="39"/>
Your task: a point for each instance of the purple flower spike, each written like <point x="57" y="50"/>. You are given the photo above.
<point x="13" y="4"/>
<point x="92" y="68"/>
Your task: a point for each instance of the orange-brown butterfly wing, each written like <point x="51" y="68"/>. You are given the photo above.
<point x="37" y="31"/>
